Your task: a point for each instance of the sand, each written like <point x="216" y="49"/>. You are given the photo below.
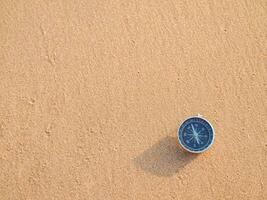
<point x="92" y="94"/>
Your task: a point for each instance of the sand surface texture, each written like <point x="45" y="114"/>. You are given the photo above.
<point x="92" y="93"/>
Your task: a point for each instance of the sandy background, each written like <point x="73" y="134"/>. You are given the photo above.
<point x="92" y="93"/>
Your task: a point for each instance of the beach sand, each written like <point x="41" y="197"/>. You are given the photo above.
<point x="92" y="94"/>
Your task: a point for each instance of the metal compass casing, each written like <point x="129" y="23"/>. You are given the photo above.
<point x="196" y="134"/>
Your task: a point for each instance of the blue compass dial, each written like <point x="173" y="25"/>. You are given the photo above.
<point x="196" y="134"/>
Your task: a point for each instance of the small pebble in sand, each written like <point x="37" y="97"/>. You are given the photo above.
<point x="31" y="101"/>
<point x="48" y="129"/>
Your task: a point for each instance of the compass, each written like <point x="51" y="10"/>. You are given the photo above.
<point x="196" y="134"/>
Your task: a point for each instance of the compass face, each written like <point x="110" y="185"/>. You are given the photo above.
<point x="196" y="135"/>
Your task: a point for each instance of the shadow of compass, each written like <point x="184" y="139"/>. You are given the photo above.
<point x="165" y="158"/>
